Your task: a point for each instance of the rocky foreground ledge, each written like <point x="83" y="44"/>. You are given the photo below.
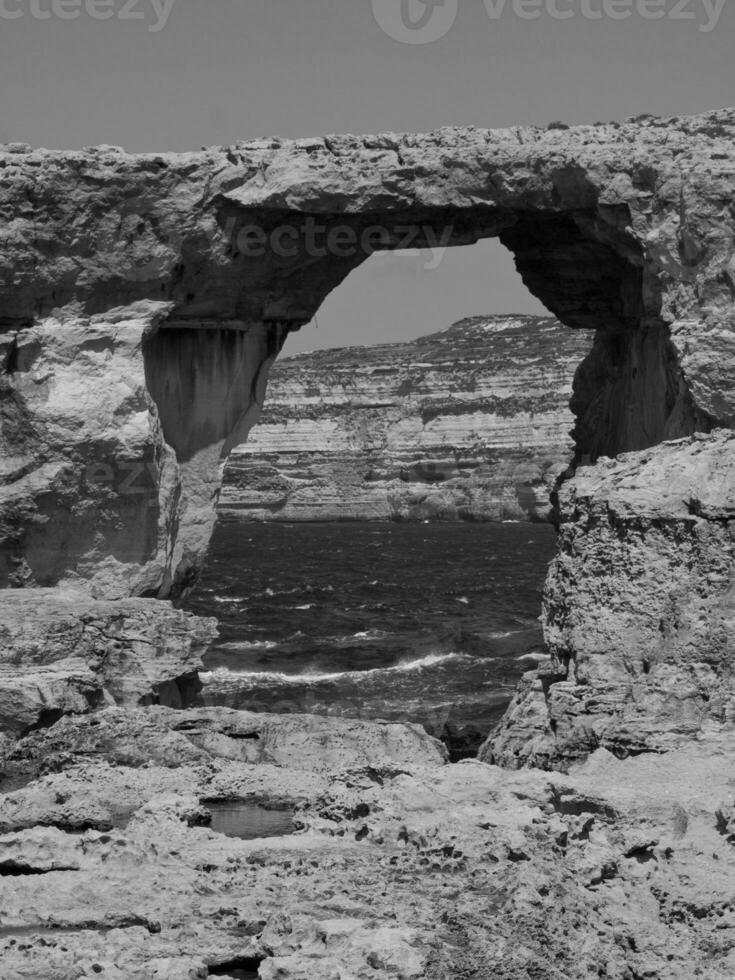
<point x="398" y="866"/>
<point x="64" y="653"/>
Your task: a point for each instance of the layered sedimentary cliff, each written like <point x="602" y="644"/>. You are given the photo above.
<point x="472" y="423"/>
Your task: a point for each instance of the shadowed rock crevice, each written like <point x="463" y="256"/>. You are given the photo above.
<point x="580" y="276"/>
<point x="630" y="393"/>
<point x="200" y="380"/>
<point x="239" y="968"/>
<point x="207" y="386"/>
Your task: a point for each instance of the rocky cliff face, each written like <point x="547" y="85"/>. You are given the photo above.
<point x="639" y="610"/>
<point x="94" y="493"/>
<point x="472" y="423"/>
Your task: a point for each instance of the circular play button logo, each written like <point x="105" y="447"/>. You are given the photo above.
<point x="415" y="21"/>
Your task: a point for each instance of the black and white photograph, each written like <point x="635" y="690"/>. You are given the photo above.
<point x="367" y="489"/>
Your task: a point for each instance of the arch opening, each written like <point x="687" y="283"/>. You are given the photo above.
<point x="200" y="351"/>
<point x="415" y="403"/>
<point x="392" y="432"/>
<point x="582" y="263"/>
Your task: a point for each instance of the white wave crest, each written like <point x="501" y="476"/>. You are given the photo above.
<point x="222" y="674"/>
<point x="249" y="645"/>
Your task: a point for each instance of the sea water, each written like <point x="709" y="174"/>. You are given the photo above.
<point x="426" y="623"/>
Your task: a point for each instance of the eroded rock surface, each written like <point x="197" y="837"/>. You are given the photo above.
<point x="639" y="609"/>
<point x="400" y="866"/>
<point x="174" y="738"/>
<point x="64" y="653"/>
<point x="472" y="423"/>
<point x="93" y="493"/>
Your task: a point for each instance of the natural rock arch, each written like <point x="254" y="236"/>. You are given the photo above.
<point x="143" y="298"/>
<point x="140" y="309"/>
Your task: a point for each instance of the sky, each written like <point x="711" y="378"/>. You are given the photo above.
<point x="181" y="74"/>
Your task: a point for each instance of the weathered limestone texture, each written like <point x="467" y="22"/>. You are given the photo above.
<point x="472" y="423"/>
<point x="400" y="866"/>
<point x="69" y="654"/>
<point x="112" y="437"/>
<point x="639" y="610"/>
<point x="142" y="299"/>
